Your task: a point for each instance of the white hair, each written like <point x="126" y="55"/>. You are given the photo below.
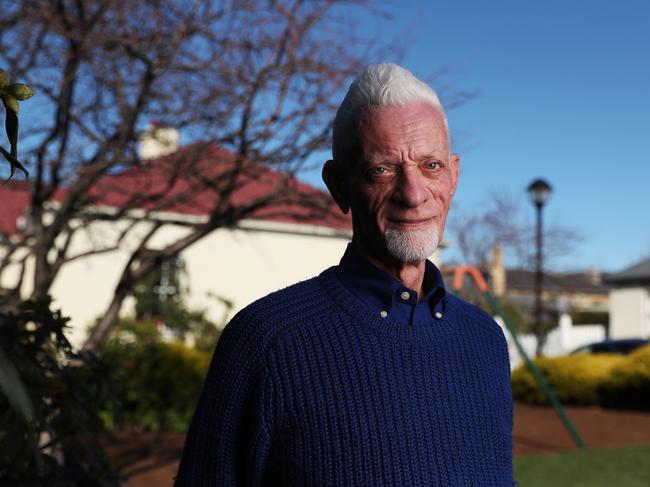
<point x="379" y="85"/>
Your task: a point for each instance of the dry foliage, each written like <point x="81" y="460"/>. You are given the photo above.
<point x="260" y="79"/>
<point x="508" y="220"/>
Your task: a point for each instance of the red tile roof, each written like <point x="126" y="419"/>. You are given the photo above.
<point x="192" y="182"/>
<point x="14" y="200"/>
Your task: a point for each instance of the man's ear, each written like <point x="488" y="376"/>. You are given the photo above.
<point x="334" y="178"/>
<point x="454" y="161"/>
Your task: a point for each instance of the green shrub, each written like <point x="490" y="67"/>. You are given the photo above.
<point x="158" y="384"/>
<point x="590" y="317"/>
<point x="628" y="385"/>
<point x="49" y="404"/>
<point x="575" y="379"/>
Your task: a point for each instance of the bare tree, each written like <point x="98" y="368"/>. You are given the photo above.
<point x="257" y="78"/>
<point x="506" y="219"/>
<point x="502" y="219"/>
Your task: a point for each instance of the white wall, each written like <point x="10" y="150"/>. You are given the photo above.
<point x="243" y="265"/>
<point x="629" y="313"/>
<point x="239" y="265"/>
<point x="83" y="288"/>
<point x="560" y="341"/>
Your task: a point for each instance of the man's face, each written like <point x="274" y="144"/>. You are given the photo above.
<point x="400" y="188"/>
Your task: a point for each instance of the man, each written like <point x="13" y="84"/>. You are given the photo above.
<point x="371" y="373"/>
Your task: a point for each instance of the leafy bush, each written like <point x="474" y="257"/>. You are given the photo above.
<point x="50" y="398"/>
<point x="628" y="385"/>
<point x="184" y="323"/>
<point x="178" y="322"/>
<point x="157" y="383"/>
<point x="575" y="379"/>
<point x="590" y="317"/>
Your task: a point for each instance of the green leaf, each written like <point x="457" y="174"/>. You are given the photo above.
<point x="15" y="164"/>
<point x="4" y="78"/>
<point x="13" y="388"/>
<point x="11" y="126"/>
<point x="10" y="103"/>
<point x="20" y="91"/>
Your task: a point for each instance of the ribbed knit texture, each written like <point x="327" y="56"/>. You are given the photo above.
<point x="307" y="387"/>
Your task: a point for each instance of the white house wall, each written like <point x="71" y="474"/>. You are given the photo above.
<point x="12" y="271"/>
<point x="237" y="265"/>
<point x="629" y="312"/>
<point x="240" y="266"/>
<point x="83" y="288"/>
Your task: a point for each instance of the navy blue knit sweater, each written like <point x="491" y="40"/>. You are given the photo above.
<point x="308" y="387"/>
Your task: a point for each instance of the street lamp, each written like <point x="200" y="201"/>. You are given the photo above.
<point x="539" y="191"/>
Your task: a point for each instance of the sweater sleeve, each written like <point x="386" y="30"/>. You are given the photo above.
<point x="228" y="441"/>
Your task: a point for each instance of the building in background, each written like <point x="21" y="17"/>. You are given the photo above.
<point x="629" y="301"/>
<point x="577" y="293"/>
<point x="576" y="309"/>
<point x="220" y="273"/>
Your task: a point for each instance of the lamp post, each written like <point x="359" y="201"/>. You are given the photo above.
<point x="539" y="191"/>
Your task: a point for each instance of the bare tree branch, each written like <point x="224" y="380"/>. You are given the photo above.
<point x="252" y="86"/>
<point x="504" y="219"/>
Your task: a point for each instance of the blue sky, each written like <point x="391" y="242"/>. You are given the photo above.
<point x="563" y="93"/>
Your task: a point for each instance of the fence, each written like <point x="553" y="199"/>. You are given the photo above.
<point x="560" y="341"/>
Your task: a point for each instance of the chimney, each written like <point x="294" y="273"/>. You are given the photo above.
<point x="497" y="272"/>
<point x="595" y="277"/>
<point x="157" y="141"/>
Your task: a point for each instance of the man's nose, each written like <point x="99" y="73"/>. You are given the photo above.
<point x="411" y="188"/>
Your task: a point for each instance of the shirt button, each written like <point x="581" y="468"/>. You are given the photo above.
<point x="383" y="313"/>
<point x="438" y="315"/>
<point x="405" y="295"/>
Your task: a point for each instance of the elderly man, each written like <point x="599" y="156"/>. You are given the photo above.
<point x="371" y="373"/>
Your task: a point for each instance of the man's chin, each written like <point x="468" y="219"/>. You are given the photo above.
<point x="411" y="245"/>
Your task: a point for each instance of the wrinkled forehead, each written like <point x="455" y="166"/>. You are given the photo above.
<point x="420" y="127"/>
<point x="390" y="119"/>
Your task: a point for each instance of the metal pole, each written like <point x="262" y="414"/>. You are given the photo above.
<point x="459" y="273"/>
<point x="538" y="281"/>
<point x="537" y="374"/>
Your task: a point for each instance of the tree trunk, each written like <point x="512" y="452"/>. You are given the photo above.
<point x="100" y="332"/>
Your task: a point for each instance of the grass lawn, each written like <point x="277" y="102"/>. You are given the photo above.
<point x="620" y="467"/>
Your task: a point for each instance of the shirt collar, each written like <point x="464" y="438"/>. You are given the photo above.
<point x="378" y="289"/>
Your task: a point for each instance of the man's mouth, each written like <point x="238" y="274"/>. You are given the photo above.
<point x="409" y="222"/>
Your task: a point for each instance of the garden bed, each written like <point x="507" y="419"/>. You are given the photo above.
<point x="151" y="459"/>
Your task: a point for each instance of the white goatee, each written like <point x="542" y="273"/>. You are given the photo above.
<point x="412" y="245"/>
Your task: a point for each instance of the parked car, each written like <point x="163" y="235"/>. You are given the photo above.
<point x="622" y="346"/>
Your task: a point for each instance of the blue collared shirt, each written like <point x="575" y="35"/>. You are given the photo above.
<point x="387" y="296"/>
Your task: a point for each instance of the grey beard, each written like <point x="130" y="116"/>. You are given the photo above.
<point x="411" y="245"/>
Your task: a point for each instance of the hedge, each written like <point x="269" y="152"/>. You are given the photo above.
<point x="628" y="385"/>
<point x="607" y="380"/>
<point x="157" y="384"/>
<point x="50" y="402"/>
<point x="574" y="378"/>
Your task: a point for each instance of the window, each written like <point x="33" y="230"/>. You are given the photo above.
<point x="159" y="289"/>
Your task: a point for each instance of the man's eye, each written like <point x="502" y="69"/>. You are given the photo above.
<point x="376" y="171"/>
<point x="433" y="165"/>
